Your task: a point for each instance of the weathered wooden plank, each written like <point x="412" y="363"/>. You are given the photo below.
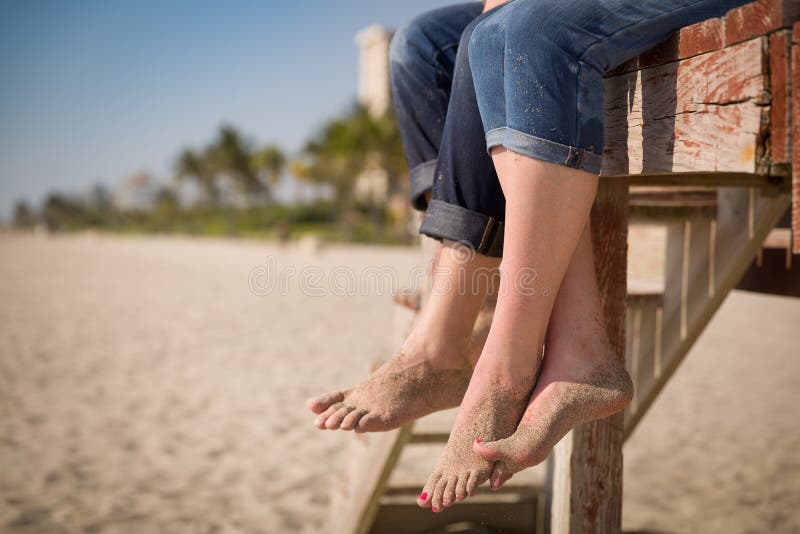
<point x="745" y="217"/>
<point x="640" y="331"/>
<point x="586" y="483"/>
<point x="680" y="118"/>
<point x="796" y="138"/>
<point x="759" y="18"/>
<point x="780" y="44"/>
<point x="375" y="464"/>
<point x="690" y="41"/>
<point x="777" y="182"/>
<point x="740" y="24"/>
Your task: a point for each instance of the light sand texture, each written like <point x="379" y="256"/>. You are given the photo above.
<point x="144" y="388"/>
<point x="720" y="449"/>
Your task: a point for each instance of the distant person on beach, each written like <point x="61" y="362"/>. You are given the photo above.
<point x="501" y="111"/>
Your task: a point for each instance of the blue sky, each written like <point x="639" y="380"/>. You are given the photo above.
<point x="95" y="90"/>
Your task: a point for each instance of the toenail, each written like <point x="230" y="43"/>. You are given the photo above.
<point x="423" y="495"/>
<point x="477" y="441"/>
<point x="434" y="509"/>
<point x="446" y="503"/>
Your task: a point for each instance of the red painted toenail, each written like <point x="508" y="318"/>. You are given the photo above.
<point x="477" y="441"/>
<point x="434" y="509"/>
<point x="423" y="495"/>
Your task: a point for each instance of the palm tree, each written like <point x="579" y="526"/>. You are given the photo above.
<point x="230" y="154"/>
<point x="271" y="161"/>
<point x="345" y="147"/>
<point x="196" y="167"/>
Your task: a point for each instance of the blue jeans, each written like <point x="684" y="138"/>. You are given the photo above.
<point x="528" y="76"/>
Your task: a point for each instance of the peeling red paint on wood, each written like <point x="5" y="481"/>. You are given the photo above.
<point x="752" y="20"/>
<point x="779" y="79"/>
<point x="759" y="18"/>
<point x="704" y="113"/>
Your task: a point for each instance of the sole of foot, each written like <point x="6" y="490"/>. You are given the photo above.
<point x="558" y="405"/>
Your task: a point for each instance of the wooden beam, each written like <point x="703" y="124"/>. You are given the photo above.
<point x="380" y="455"/>
<point x="585" y="474"/>
<point x="779" y="182"/>
<point x="780" y="139"/>
<point x="705" y="264"/>
<point x="752" y="20"/>
<point x="677" y="118"/>
<point x="795" y="75"/>
<point x="760" y="18"/>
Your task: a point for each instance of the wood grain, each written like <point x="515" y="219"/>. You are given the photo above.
<point x="587" y="472"/>
<point x="780" y="44"/>
<point x="759" y="18"/>
<point x="740" y="24"/>
<point x="705" y="114"/>
<point x="796" y="139"/>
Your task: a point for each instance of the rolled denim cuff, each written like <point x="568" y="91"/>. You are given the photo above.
<point x="421" y="178"/>
<point x="482" y="233"/>
<point x="544" y="150"/>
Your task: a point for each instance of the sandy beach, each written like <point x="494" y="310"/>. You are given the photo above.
<point x="158" y="385"/>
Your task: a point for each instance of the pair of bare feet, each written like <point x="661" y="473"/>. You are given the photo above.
<point x="509" y="420"/>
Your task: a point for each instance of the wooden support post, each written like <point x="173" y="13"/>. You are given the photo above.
<point x="795" y="115"/>
<point x="585" y="486"/>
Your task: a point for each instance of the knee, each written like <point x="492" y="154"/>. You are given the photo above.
<point x="408" y="44"/>
<point x="485" y="37"/>
<point x="520" y="29"/>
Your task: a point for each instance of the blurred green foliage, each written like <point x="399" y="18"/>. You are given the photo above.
<point x="339" y="152"/>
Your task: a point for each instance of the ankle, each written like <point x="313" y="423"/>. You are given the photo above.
<point x="436" y="348"/>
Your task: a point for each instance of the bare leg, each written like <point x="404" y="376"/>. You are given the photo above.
<point x="581" y="378"/>
<point x="547" y="208"/>
<point x="432" y="370"/>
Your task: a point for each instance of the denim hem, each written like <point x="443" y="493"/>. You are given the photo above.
<point x="544" y="149"/>
<point x="421" y="178"/>
<point x="482" y="233"/>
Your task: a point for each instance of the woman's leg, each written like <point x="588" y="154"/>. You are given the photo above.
<point x="581" y="378"/>
<point x="432" y="370"/>
<point x="538" y="68"/>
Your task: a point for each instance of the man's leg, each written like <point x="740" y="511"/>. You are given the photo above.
<point x="422" y="60"/>
<point x="432" y="370"/>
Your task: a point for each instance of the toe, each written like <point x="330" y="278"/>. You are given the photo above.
<point x="351" y="420"/>
<point x="370" y="422"/>
<point x="461" y="487"/>
<point x="438" y="493"/>
<point x="424" y="499"/>
<point x="499" y="476"/>
<point x="473" y="481"/>
<point x="513" y="451"/>
<point x="449" y="495"/>
<point x="335" y="420"/>
<point x="323" y="417"/>
<point x="491" y="451"/>
<point x="323" y="402"/>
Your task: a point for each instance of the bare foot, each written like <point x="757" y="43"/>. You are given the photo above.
<point x="412" y="384"/>
<point x="574" y="388"/>
<point x="491" y="410"/>
<point x="433" y="369"/>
